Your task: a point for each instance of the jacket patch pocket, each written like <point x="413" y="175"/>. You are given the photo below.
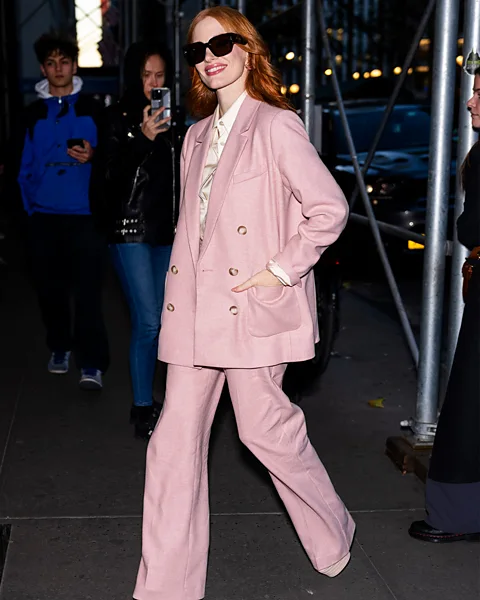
<point x="247" y="175"/>
<point x="272" y="310"/>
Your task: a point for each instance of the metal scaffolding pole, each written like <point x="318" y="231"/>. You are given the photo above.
<point x="466" y="139"/>
<point x="443" y="90"/>
<point x="308" y="71"/>
<point x="241" y="6"/>
<point x="177" y="18"/>
<point x="134" y="25"/>
<point x="402" y="313"/>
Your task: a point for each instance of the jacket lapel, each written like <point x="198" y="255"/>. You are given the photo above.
<point x="192" y="187"/>
<point x="231" y="154"/>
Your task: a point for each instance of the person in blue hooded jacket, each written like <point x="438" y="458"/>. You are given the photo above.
<point x="67" y="249"/>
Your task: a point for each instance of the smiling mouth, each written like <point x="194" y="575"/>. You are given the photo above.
<point x="213" y="70"/>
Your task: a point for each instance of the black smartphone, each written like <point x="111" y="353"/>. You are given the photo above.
<point x="162" y="97"/>
<point x="75" y="142"/>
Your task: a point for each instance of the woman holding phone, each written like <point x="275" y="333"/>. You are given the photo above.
<point x="134" y="179"/>
<point x="258" y="208"/>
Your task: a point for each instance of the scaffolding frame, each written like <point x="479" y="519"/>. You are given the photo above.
<point x="426" y="355"/>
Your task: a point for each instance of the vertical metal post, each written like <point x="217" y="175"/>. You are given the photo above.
<point x="4" y="78"/>
<point x="177" y="18"/>
<point x="466" y="139"/>
<point x="134" y="25"/>
<point x="241" y="6"/>
<point x="365" y="21"/>
<point x="308" y="75"/>
<point x="443" y="89"/>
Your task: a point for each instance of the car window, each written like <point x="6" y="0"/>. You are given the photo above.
<point x="406" y="128"/>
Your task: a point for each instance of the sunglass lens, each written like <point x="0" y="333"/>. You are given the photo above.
<point x="221" y="45"/>
<point x="195" y="53"/>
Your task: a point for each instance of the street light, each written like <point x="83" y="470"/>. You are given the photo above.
<point x="290" y="55"/>
<point x="328" y="72"/>
<point x="356" y="75"/>
<point x="294" y="88"/>
<point x="376" y="73"/>
<point x="397" y="70"/>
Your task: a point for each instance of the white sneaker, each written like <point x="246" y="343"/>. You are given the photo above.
<point x="91" y="380"/>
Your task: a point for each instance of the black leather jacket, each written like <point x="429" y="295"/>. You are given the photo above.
<point x="134" y="179"/>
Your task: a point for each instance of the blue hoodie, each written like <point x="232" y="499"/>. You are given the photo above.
<point x="50" y="180"/>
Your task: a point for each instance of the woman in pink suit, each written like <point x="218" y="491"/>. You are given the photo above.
<point x="258" y="208"/>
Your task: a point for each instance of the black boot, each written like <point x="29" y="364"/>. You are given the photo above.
<point x="421" y="530"/>
<point x="144" y="418"/>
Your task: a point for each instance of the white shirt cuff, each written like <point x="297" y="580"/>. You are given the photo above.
<point x="276" y="269"/>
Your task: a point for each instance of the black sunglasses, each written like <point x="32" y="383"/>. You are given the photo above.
<point x="220" y="45"/>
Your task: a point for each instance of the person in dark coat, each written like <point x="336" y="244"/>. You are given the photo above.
<point x="453" y="484"/>
<point x="134" y="178"/>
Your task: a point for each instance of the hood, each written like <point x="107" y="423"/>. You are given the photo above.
<point x="43" y="88"/>
<point x="134" y="97"/>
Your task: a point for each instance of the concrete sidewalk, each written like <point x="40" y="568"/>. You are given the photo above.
<point x="71" y="477"/>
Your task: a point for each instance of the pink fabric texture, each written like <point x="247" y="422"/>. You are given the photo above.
<point x="176" y="512"/>
<point x="271" y="198"/>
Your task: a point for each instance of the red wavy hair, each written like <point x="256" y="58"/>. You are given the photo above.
<point x="263" y="80"/>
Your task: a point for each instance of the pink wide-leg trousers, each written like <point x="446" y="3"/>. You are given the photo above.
<point x="176" y="519"/>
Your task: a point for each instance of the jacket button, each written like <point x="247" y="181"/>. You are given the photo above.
<point x="234" y="310"/>
<point x="170" y="307"/>
<point x="242" y="230"/>
<point x="174" y="270"/>
<point x="233" y="272"/>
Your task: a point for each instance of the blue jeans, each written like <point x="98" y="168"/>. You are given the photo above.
<point x="142" y="270"/>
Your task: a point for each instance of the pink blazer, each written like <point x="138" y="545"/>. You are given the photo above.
<point x="272" y="197"/>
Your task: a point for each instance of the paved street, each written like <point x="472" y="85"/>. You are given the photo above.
<point x="71" y="477"/>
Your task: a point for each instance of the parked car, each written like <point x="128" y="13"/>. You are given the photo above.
<point x="398" y="175"/>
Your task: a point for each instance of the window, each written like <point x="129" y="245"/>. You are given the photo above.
<point x="89" y="18"/>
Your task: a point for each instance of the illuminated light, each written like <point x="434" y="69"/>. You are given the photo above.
<point x="397" y="70"/>
<point x="376" y="73"/>
<point x="338" y="59"/>
<point x="89" y="24"/>
<point x="369" y="189"/>
<point x="424" y="43"/>
<point x="422" y="69"/>
<point x="356" y="75"/>
<point x="328" y="72"/>
<point x="283" y="89"/>
<point x="329" y="31"/>
<point x="410" y="71"/>
<point x="411" y="224"/>
<point x="340" y="31"/>
<point x="294" y="88"/>
<point x="290" y="55"/>
<point x="460" y="41"/>
<point x="415" y="246"/>
<point x="366" y="75"/>
<point x="459" y="60"/>
<point x="375" y="202"/>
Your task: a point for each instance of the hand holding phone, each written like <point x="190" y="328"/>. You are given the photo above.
<point x="154" y="124"/>
<point x="71" y="142"/>
<point x="80" y="150"/>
